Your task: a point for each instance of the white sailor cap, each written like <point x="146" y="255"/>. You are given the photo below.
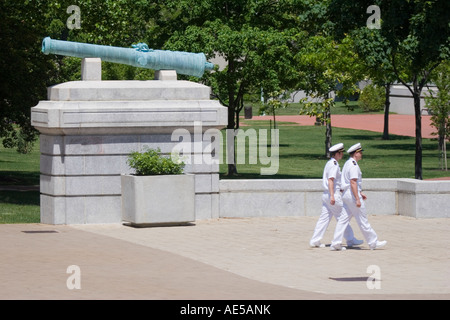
<point x="355" y="148"/>
<point x="337" y="147"/>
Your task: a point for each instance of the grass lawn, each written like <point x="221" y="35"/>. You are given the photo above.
<point x="302" y="149"/>
<point x="19" y="207"/>
<point x="19" y="169"/>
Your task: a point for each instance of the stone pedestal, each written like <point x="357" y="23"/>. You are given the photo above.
<point x="91" y="69"/>
<point x="88" y="128"/>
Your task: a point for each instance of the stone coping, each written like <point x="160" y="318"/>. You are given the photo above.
<point x="301" y="197"/>
<point x="128" y="90"/>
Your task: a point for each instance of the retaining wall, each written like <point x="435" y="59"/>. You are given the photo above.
<point x="302" y="197"/>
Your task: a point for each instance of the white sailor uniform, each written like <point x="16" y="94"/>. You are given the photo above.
<point x="351" y="171"/>
<point x="331" y="170"/>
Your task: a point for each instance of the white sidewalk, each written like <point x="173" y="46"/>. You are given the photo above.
<point x="256" y="258"/>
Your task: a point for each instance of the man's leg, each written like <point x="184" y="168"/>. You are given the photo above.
<point x="322" y="224"/>
<point x="363" y="223"/>
<point x="341" y="226"/>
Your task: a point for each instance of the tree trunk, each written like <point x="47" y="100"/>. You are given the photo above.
<point x="231" y="152"/>
<point x="387" y="104"/>
<point x="230" y="141"/>
<point x="442" y="144"/>
<point x="274" y="119"/>
<point x="418" y="157"/>
<point x="328" y="132"/>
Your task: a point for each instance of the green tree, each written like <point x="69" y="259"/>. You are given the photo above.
<point x="26" y="72"/>
<point x="326" y="66"/>
<point x="438" y="102"/>
<point x="256" y="38"/>
<point x="278" y="100"/>
<point x="104" y="22"/>
<point x="417" y="34"/>
<point x="373" y="51"/>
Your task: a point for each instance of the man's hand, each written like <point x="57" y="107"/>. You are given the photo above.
<point x="332" y="201"/>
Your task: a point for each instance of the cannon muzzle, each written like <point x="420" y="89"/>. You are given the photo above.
<point x="187" y="63"/>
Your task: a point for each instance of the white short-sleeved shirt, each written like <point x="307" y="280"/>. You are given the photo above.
<point x="331" y="170"/>
<point x="351" y="171"/>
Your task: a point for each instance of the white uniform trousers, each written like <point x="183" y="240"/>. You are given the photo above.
<point x="328" y="211"/>
<point x="351" y="210"/>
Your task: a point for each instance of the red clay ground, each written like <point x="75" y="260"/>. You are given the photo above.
<point x="399" y="124"/>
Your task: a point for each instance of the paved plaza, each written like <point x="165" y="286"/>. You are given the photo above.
<point x="245" y="258"/>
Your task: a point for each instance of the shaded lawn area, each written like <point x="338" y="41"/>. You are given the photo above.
<point x="15" y="170"/>
<point x="19" y="206"/>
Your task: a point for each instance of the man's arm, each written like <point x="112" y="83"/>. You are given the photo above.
<point x="331" y="190"/>
<point x="354" y="188"/>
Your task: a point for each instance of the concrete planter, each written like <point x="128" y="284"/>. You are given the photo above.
<point x="165" y="199"/>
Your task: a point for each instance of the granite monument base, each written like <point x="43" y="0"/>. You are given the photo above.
<point x="88" y="129"/>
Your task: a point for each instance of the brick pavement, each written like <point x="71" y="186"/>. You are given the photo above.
<point x="254" y="258"/>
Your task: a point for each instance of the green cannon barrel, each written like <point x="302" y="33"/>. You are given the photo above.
<point x="187" y="63"/>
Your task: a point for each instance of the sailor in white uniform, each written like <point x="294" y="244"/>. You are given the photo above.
<point x="331" y="199"/>
<point x="354" y="205"/>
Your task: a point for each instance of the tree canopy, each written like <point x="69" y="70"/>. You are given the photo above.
<point x="26" y="72"/>
<point x="413" y="39"/>
<point x="257" y="39"/>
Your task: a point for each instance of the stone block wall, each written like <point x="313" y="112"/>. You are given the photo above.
<point x="302" y="197"/>
<point x="88" y="129"/>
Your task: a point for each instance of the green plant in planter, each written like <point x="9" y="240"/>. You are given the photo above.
<point x="151" y="162"/>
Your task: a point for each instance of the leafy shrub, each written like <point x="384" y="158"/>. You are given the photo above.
<point x="151" y="162"/>
<point x="372" y="98"/>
